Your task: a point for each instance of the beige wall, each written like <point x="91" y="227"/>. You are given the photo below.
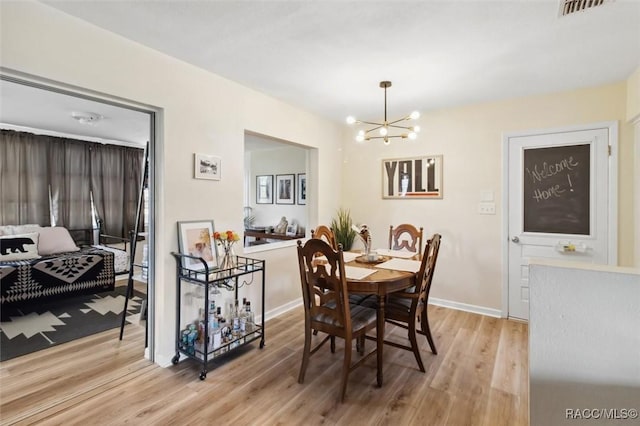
<point x="201" y="112"/>
<point x="470" y="139"/>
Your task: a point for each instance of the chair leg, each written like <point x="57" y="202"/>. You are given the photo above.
<point x="315" y="332"/>
<point x="346" y="365"/>
<point x="426" y="330"/>
<point x="360" y="344"/>
<point x="333" y="344"/>
<point x="414" y="344"/>
<point x="305" y="356"/>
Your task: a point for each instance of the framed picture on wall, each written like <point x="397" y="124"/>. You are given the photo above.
<point x="302" y="188"/>
<point x="206" y="166"/>
<point x="264" y="189"/>
<point x="285" y="189"/>
<point x="195" y="239"/>
<point x="412" y="178"/>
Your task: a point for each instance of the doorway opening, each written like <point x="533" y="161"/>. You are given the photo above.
<point x="78" y="116"/>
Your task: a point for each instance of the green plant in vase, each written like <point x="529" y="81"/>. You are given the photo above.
<point x="341" y="225"/>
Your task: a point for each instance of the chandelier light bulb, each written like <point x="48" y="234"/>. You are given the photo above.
<point x="414" y="115"/>
<point x="412" y="135"/>
<point x="416" y="129"/>
<point x="383" y="131"/>
<point x="360" y="138"/>
<point x="387" y="141"/>
<point x="351" y="119"/>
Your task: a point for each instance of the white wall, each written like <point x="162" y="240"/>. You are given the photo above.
<point x="470" y="140"/>
<point x="584" y="343"/>
<point x="198" y="112"/>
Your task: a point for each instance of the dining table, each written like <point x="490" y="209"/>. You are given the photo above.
<point x="393" y="271"/>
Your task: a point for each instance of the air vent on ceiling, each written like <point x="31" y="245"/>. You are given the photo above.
<point x="567" y="7"/>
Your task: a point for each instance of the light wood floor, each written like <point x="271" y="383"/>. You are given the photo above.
<point x="479" y="377"/>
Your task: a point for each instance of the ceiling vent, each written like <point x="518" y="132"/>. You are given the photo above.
<point x="567" y="7"/>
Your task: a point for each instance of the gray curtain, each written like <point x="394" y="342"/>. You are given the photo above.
<point x="115" y="182"/>
<point x="43" y="177"/>
<point x="134" y="168"/>
<point x="24" y="187"/>
<point x="70" y="177"/>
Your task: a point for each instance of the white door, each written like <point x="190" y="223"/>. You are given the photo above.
<point x="559" y="203"/>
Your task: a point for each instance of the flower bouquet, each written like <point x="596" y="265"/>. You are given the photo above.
<point x="226" y="240"/>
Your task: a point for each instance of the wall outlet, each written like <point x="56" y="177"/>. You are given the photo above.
<point x="487" y="208"/>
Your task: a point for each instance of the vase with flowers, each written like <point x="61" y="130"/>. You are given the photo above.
<point x="226" y="240"/>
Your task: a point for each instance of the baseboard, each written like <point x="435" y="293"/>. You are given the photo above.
<point x="466" y="307"/>
<point x="282" y="309"/>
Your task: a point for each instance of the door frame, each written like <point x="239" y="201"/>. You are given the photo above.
<point x="155" y="142"/>
<point x="612" y="188"/>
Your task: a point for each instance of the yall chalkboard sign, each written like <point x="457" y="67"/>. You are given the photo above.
<point x="556" y="189"/>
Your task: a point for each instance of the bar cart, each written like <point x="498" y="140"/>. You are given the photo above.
<point x="210" y="345"/>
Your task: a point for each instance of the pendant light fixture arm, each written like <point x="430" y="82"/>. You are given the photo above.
<point x="369" y="122"/>
<point x="408" y="117"/>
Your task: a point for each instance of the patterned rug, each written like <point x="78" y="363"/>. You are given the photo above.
<point x="29" y="329"/>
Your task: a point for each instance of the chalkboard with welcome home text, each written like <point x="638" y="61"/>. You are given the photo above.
<point x="556" y="189"/>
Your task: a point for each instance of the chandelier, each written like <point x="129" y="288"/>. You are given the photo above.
<point x="386" y="127"/>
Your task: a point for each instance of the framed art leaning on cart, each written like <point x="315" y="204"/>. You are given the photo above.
<point x="195" y="238"/>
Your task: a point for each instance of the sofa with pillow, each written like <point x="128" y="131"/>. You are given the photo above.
<point x="44" y="262"/>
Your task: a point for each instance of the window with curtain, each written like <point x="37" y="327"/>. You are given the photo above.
<point x="50" y="181"/>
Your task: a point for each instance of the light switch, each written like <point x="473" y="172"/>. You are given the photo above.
<point x="487" y="208"/>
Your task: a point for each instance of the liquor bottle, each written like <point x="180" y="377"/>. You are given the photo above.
<point x="236" y="319"/>
<point x="214" y="326"/>
<point x="242" y="315"/>
<point x="249" y="317"/>
<point x="200" y="326"/>
<point x="212" y="311"/>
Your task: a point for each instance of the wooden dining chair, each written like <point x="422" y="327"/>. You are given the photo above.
<point x="335" y="316"/>
<point x="403" y="308"/>
<point x="325" y="233"/>
<point x="405" y="236"/>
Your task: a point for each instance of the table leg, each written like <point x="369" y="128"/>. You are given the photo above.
<point x="380" y="336"/>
